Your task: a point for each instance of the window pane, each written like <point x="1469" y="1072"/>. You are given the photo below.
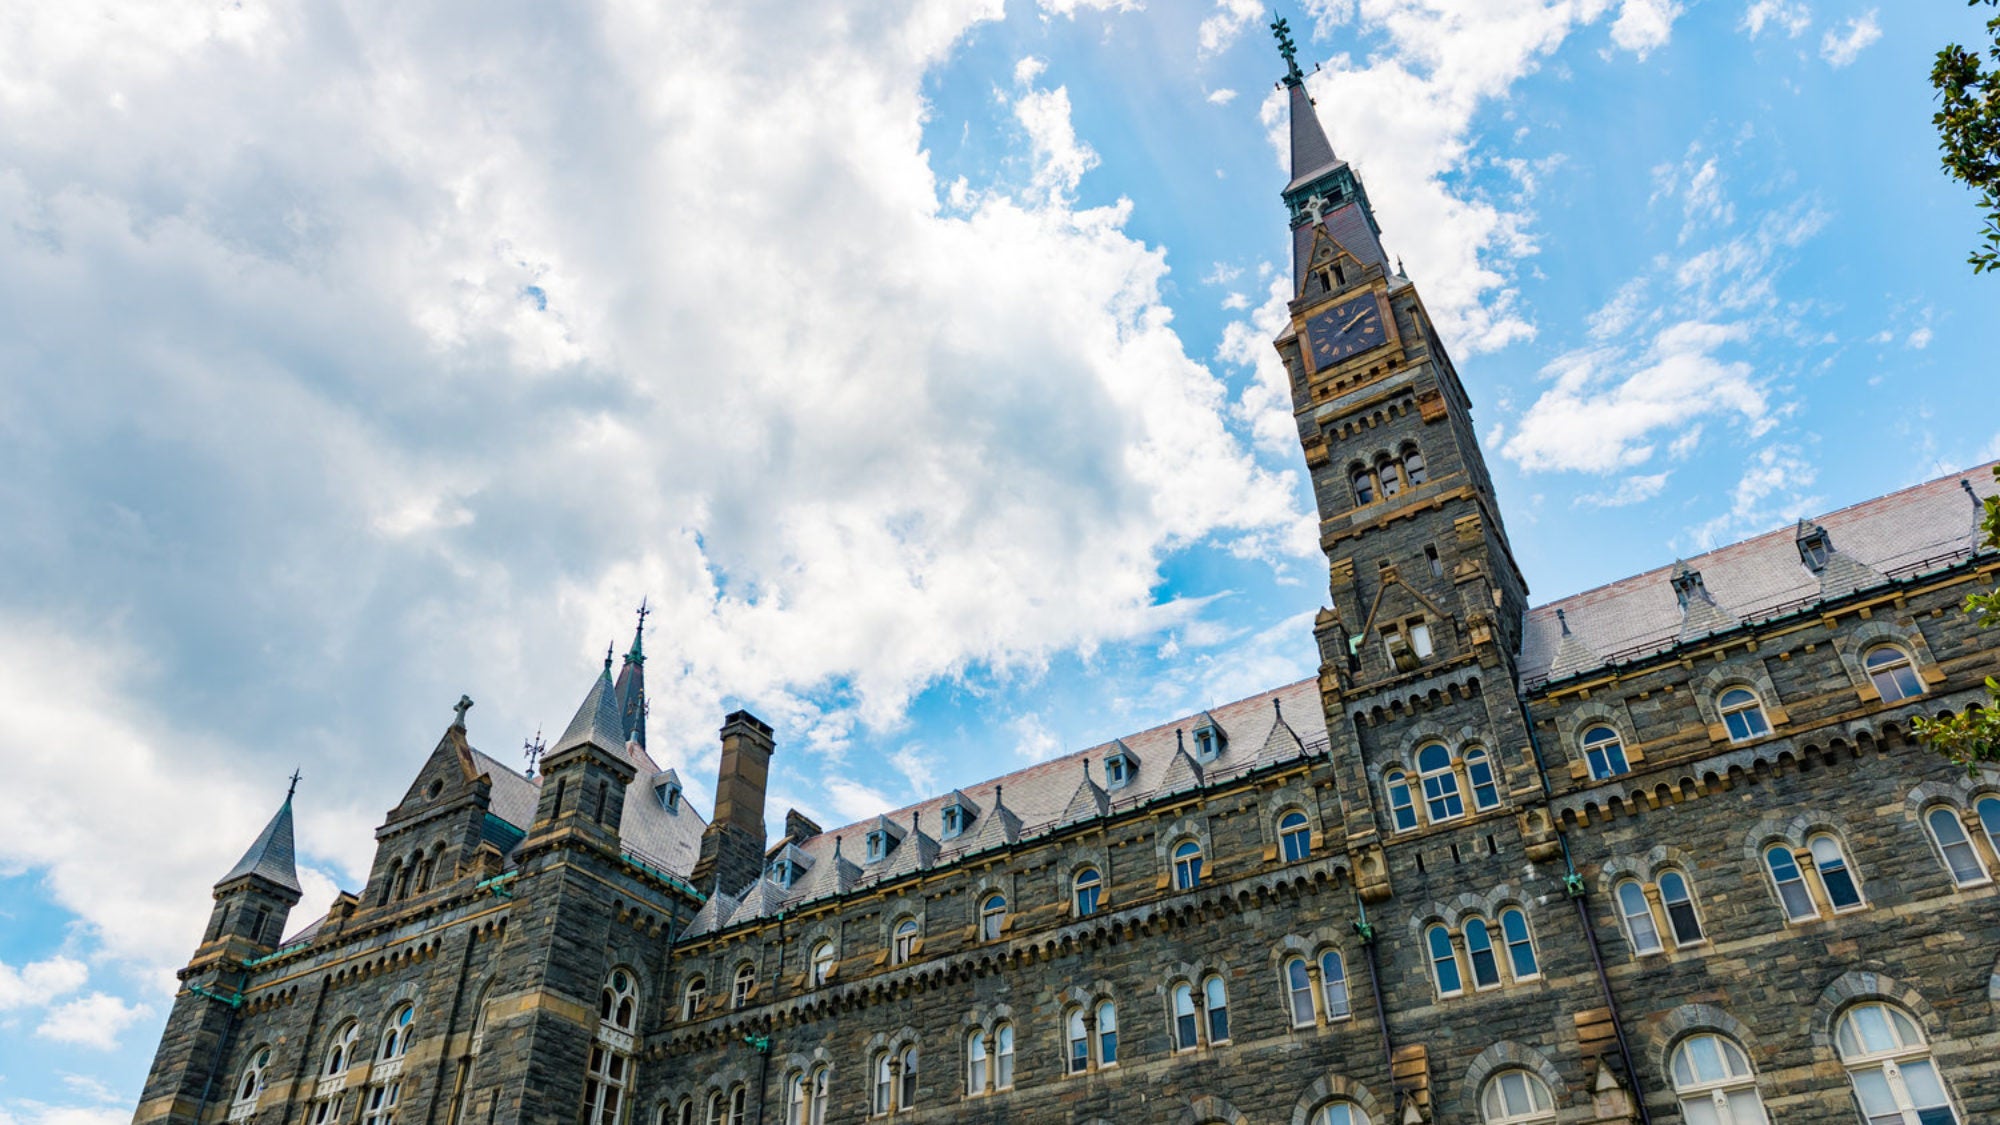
<point x="1333" y="984"/>
<point x="1443" y="963"/>
<point x="1479" y="770"/>
<point x="1746" y="1107"/>
<point x="1700" y="1111"/>
<point x="1479" y="946"/>
<point x="1298" y="986"/>
<point x="1926" y="1091"/>
<point x="1871" y="1086"/>
<point x="1401" y="804"/>
<point x="1107" y="1034"/>
<point x="1638" y="918"/>
<point x="1515" y="925"/>
<point x="1433" y="757"/>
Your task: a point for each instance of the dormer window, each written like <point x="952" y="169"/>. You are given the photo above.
<point x="1116" y="773"/>
<point x="1814" y="547"/>
<point x="1208" y="740"/>
<point x="669" y="793"/>
<point x="783" y="872"/>
<point x="878" y="845"/>
<point x="1688" y="586"/>
<point x="953" y="818"/>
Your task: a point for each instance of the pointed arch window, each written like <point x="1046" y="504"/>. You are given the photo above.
<point x="1444" y="961"/>
<point x="1299" y="992"/>
<point x="1714" y="1082"/>
<point x="1187" y="865"/>
<point x="1333" y="984"/>
<point x="1215" y="998"/>
<point x="744" y="984"/>
<point x="1888" y="1061"/>
<point x="1087" y="886"/>
<point x="340" y="1053"/>
<point x="992" y="917"/>
<point x="1413" y="466"/>
<point x="1479" y="950"/>
<point x="1960" y="857"/>
<point x="1479" y="776"/>
<point x="1792" y="891"/>
<point x="1682" y="917"/>
<point x="884" y="1082"/>
<point x="903" y="944"/>
<point x="1442" y="800"/>
<point x="250" y="1085"/>
<point x="908" y="1091"/>
<point x="718" y="1110"/>
<point x="1402" y="809"/>
<point x="1294" y="836"/>
<point x="1743" y="714"/>
<point x="396" y="1036"/>
<point x="618" y="1002"/>
<point x="1364" y="485"/>
<point x="1392" y="481"/>
<point x="685" y="1114"/>
<point x="1520" y="943"/>
<point x="1604" y="752"/>
<point x="1515" y="1097"/>
<point x="1187" y="1034"/>
<point x="1003" y="1056"/>
<point x="1893" y="673"/>
<point x="795" y="1098"/>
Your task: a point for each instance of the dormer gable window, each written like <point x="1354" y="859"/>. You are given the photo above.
<point x="784" y="872"/>
<point x="1688" y="586"/>
<point x="952" y="819"/>
<point x="1119" y="769"/>
<point x="878" y="845"/>
<point x="1814" y="547"/>
<point x="1208" y="740"/>
<point x="667" y="790"/>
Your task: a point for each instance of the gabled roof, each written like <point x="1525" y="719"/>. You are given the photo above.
<point x="270" y="855"/>
<point x="1088" y="802"/>
<point x="1913" y="531"/>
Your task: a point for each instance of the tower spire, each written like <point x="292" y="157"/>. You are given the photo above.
<point x="270" y="855"/>
<point x="1323" y="191"/>
<point x="631" y="687"/>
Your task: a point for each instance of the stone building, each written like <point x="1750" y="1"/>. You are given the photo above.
<point x="1662" y="851"/>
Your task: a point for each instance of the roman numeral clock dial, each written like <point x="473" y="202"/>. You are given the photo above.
<point x="1346" y="329"/>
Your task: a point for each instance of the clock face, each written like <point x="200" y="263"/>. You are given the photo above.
<point x="1346" y="329"/>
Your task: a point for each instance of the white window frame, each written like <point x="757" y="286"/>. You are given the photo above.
<point x="1498" y="1092"/>
<point x="1756" y="721"/>
<point x="1948" y="817"/>
<point x="1899" y="660"/>
<point x="1908" y="1050"/>
<point x="1718" y="1092"/>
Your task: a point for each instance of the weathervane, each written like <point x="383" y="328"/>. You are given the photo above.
<point x="294" y="786"/>
<point x="533" y="749"/>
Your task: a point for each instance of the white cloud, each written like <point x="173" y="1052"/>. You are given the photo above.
<point x="1920" y="338"/>
<point x="1034" y="741"/>
<point x="1236" y="302"/>
<point x="1029" y="68"/>
<point x="38" y="982"/>
<point x="95" y="1020"/>
<point x="1841" y="47"/>
<point x="1772" y="491"/>
<point x="1221" y="29"/>
<point x="26" y="1112"/>
<point x="1630" y="490"/>
<point x="1221" y="97"/>
<point x="1060" y="158"/>
<point x="1621" y="312"/>
<point x="1793" y="16"/>
<point x="1644" y="26"/>
<point x="1071" y="7"/>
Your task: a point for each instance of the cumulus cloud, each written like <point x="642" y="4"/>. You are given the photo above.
<point x="1221" y="97"/>
<point x="1630" y="490"/>
<point x="1220" y="29"/>
<point x="415" y="385"/>
<point x="1841" y="46"/>
<point x="1790" y="16"/>
<point x="1772" y="491"/>
<point x="38" y="982"/>
<point x="1644" y="26"/>
<point x="95" y="1020"/>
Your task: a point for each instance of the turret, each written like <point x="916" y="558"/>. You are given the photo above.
<point x="254" y="899"/>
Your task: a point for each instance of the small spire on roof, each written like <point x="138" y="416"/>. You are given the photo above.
<point x="836" y="847"/>
<point x="463" y="705"/>
<point x="1278" y="707"/>
<point x="1967" y="486"/>
<point x="1562" y="619"/>
<point x="608" y="647"/>
<point x="637" y="655"/>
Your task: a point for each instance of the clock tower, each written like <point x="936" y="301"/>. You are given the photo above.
<point x="1425" y="602"/>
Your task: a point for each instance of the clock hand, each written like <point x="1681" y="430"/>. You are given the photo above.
<point x="1355" y="321"/>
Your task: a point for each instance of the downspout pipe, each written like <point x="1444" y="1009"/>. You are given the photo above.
<point x="1366" y="930"/>
<point x="1574" y="884"/>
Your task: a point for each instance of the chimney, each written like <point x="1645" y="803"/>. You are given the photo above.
<point x="732" y="847"/>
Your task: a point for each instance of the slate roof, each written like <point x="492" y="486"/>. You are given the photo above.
<point x="1312" y="153"/>
<point x="270" y="856"/>
<point x="1041" y="799"/>
<point x="597" y="720"/>
<point x="1914" y="531"/>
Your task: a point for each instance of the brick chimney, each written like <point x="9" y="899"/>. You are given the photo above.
<point x="732" y="847"/>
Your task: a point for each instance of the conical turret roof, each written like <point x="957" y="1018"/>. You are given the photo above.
<point x="270" y="857"/>
<point x="597" y="720"/>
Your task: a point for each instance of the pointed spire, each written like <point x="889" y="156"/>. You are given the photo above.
<point x="597" y="719"/>
<point x="631" y="694"/>
<point x="637" y="654"/>
<point x="270" y="856"/>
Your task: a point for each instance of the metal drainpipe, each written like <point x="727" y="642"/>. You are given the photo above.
<point x="1574" y="885"/>
<point x="221" y="1047"/>
<point x="1367" y="931"/>
<point x="451" y="1021"/>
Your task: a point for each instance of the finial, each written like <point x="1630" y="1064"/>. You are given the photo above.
<point x="1086" y="769"/>
<point x="1288" y="49"/>
<point x="1180" y="739"/>
<point x="836" y="847"/>
<point x="1562" y="619"/>
<point x="638" y="653"/>
<point x="1278" y="706"/>
<point x="294" y="787"/>
<point x="608" y="646"/>
<point x="1967" y="486"/>
<point x="1399" y="266"/>
<point x="997" y="790"/>
<point x="532" y="749"/>
<point x="463" y="705"/>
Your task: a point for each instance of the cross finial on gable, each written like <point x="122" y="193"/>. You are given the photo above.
<point x="294" y="787"/>
<point x="533" y="749"/>
<point x="463" y="705"/>
<point x="1288" y="49"/>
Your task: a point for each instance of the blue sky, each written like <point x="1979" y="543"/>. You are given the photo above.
<point x="912" y="358"/>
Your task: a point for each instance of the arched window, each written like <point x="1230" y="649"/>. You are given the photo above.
<point x="718" y="1110"/>
<point x="1639" y="926"/>
<point x="739" y="1104"/>
<point x="1893" y="673"/>
<point x="822" y="962"/>
<point x="1441" y="796"/>
<point x="903" y="945"/>
<point x="1479" y="950"/>
<point x="1402" y="809"/>
<point x="1294" y="837"/>
<point x="1714" y="1082"/>
<point x="1215" y="997"/>
<point x="1413" y="466"/>
<point x="1186" y="1028"/>
<point x="341" y="1052"/>
<point x="1989" y="819"/>
<point x="1187" y="865"/>
<point x="992" y="916"/>
<point x="1520" y="944"/>
<point x="1834" y="872"/>
<point x="1604" y="752"/>
<point x="908" y="1093"/>
<point x="884" y="1082"/>
<point x="1088" y="887"/>
<point x="1339" y="1113"/>
<point x="1890" y="1065"/>
<point x="692" y="994"/>
<point x="1519" y="1096"/>
<point x="1077" y="1036"/>
<point x="1479" y="773"/>
<point x="975" y="1064"/>
<point x="795" y="1099"/>
<point x="1678" y="898"/>
<point x="1791" y="885"/>
<point x="1299" y="992"/>
<point x="685" y="1115"/>
<point x="1003" y="1056"/>
<point x="744" y="984"/>
<point x="379" y="1106"/>
<point x="618" y="1002"/>
<point x="1364" y="485"/>
<point x="1107" y="1033"/>
<point x="251" y="1084"/>
<point x="396" y="1036"/>
<point x="605" y="1081"/>
<point x="1960" y="858"/>
<point x="1385" y="472"/>
<point x="1333" y="984"/>
<point x="816" y="1090"/>
<point x="1743" y="714"/>
<point x="1444" y="963"/>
